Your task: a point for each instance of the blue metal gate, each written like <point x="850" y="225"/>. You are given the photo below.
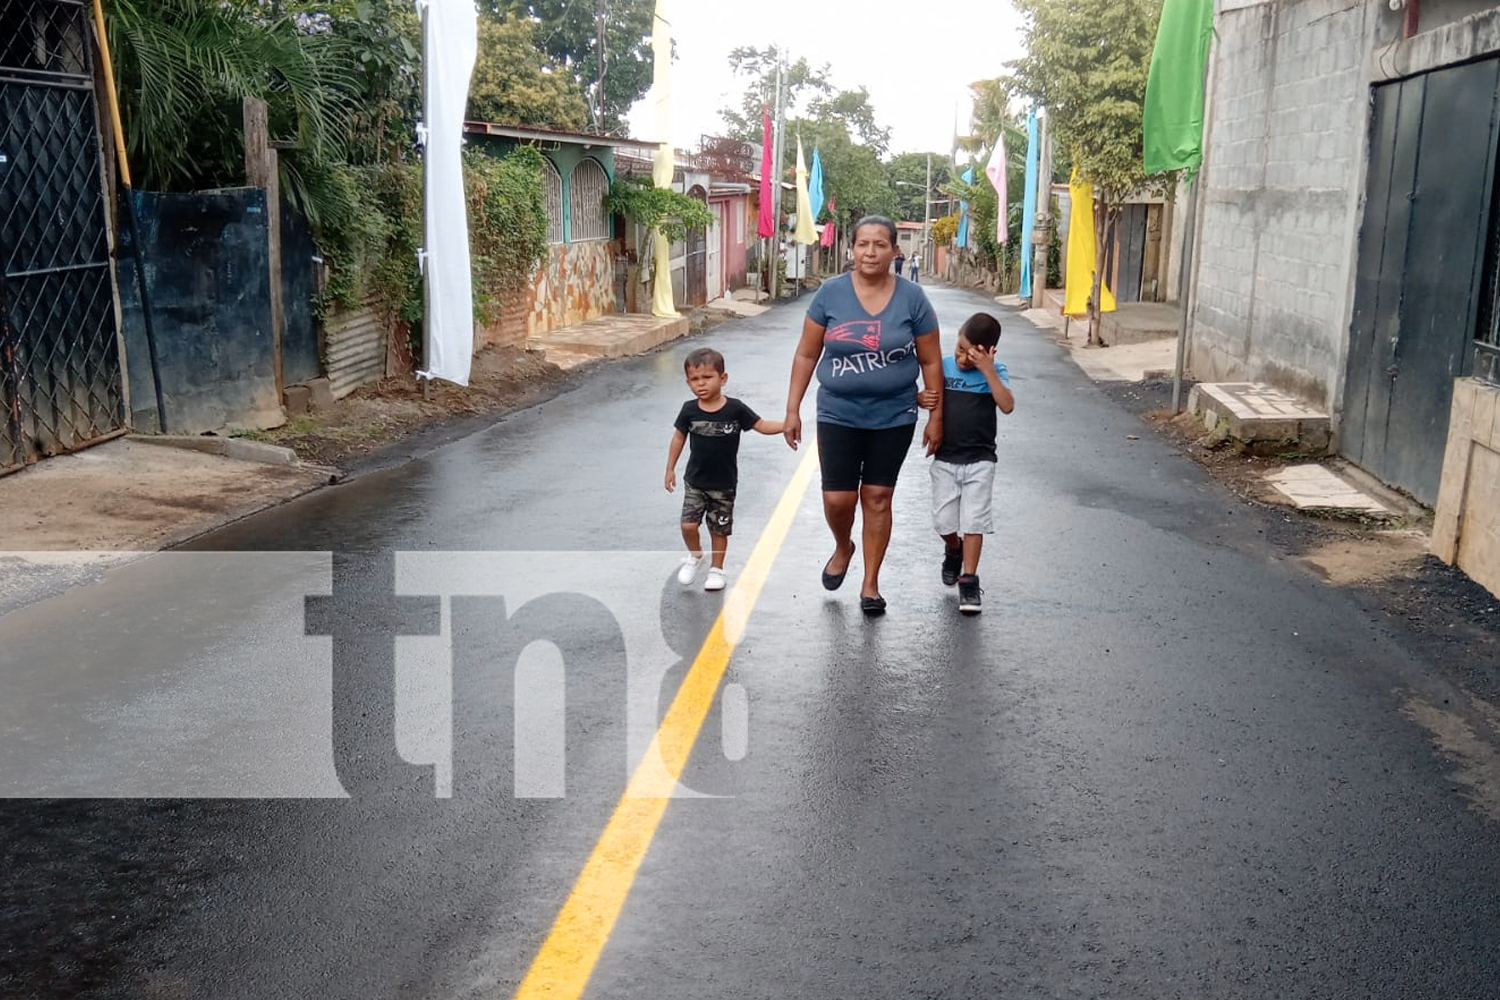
<point x="60" y="382"/>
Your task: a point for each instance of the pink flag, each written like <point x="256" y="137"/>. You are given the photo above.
<point x="828" y="227"/>
<point x="995" y="170"/>
<point x="766" y="224"/>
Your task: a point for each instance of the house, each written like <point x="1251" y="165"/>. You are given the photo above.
<point x="1347" y="242"/>
<point x="576" y="282"/>
<point x="710" y="263"/>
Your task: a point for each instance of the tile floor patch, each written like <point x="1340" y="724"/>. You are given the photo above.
<point x="1315" y="487"/>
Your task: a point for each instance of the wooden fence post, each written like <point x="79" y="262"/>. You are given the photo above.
<point x="261" y="170"/>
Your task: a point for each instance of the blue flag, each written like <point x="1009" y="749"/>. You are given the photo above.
<point x="962" y="239"/>
<point x="1028" y="204"/>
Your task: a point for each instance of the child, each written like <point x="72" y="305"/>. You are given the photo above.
<point x="712" y="421"/>
<point x="963" y="469"/>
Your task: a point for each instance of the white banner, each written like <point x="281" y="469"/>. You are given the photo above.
<point x="449" y="45"/>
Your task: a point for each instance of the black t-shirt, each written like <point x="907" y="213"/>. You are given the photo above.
<point x="969" y="423"/>
<point x="714" y="442"/>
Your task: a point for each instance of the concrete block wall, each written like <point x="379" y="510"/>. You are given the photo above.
<point x="1284" y="163"/>
<point x="1466" y="525"/>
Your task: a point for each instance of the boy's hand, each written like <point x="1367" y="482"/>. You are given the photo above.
<point x="927" y="399"/>
<point x="671" y="480"/>
<point x="983" y="358"/>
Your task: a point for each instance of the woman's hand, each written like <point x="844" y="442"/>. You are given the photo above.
<point x="791" y="429"/>
<point x="932" y="434"/>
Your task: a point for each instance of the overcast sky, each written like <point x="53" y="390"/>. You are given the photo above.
<point x="916" y="59"/>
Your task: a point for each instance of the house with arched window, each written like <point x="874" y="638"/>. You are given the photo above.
<point x="577" y="280"/>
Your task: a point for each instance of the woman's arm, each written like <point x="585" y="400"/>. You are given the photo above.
<point x="804" y="363"/>
<point x="930" y="357"/>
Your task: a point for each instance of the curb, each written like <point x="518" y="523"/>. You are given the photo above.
<point x="211" y="444"/>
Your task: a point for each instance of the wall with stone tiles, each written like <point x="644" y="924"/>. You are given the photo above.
<point x="1466" y="527"/>
<point x="574" y="284"/>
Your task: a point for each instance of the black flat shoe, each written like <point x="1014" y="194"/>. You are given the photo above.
<point x="872" y="606"/>
<point x="833" y="581"/>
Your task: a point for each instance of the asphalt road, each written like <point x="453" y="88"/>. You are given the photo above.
<point x="1166" y="761"/>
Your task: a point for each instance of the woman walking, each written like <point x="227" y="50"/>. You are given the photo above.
<point x="868" y="336"/>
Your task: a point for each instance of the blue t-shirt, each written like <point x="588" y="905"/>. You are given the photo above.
<point x="867" y="375"/>
<point x="969" y="409"/>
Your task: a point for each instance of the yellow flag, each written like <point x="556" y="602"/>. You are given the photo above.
<point x="663" y="166"/>
<point x="807" y="232"/>
<point x="1082" y="254"/>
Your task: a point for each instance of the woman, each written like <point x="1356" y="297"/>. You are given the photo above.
<point x="867" y="335"/>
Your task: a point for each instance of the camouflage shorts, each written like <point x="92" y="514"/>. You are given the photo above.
<point x="715" y="507"/>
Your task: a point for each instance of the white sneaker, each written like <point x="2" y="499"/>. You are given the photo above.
<point x="715" y="579"/>
<point x="689" y="569"/>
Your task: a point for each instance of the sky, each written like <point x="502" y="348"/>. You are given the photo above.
<point x="916" y="59"/>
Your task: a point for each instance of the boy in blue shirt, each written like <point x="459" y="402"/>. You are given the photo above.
<point x="963" y="469"/>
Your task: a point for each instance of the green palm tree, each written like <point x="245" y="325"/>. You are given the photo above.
<point x="183" y="67"/>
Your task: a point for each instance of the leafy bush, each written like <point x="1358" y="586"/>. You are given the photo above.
<point x="662" y="209"/>
<point x="507" y="221"/>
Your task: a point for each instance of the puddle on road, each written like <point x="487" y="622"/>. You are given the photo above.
<point x="1476" y="753"/>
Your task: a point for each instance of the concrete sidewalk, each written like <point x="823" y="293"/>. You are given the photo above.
<point x="1252" y="414"/>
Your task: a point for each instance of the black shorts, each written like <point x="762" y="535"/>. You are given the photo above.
<point x="851" y="457"/>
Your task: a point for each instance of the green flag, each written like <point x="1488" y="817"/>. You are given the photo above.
<point x="1172" y="120"/>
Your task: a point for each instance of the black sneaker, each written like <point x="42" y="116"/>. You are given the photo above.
<point x="969" y="594"/>
<point x="953" y="565"/>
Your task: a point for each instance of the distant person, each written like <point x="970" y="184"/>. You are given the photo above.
<point x="963" y="469"/>
<point x="916" y="265"/>
<point x="868" y="337"/>
<point x="711" y="422"/>
<point x="900" y="259"/>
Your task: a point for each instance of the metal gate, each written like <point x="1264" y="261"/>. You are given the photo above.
<point x="59" y="344"/>
<point x="1420" y="269"/>
<point x="697" y="258"/>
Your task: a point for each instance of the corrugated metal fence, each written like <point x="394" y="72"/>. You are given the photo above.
<point x="355" y="345"/>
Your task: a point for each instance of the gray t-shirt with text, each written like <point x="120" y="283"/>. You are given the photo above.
<point x="868" y="373"/>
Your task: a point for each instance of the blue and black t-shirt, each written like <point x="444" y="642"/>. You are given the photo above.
<point x="867" y="375"/>
<point x="969" y="423"/>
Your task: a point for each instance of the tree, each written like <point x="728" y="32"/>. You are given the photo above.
<point x="569" y="35"/>
<point x="512" y="86"/>
<point x="183" y="67"/>
<point x="852" y="107"/>
<point x="800" y="83"/>
<point x="908" y="173"/>
<point x="1086" y="62"/>
<point x="853" y="175"/>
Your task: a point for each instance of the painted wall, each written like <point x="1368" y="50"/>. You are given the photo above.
<point x="208" y="278"/>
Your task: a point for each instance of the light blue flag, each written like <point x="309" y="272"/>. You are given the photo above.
<point x="1028" y="204"/>
<point x="962" y="239"/>
<point x="815" y="184"/>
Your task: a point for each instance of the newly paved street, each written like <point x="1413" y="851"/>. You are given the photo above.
<point x="1164" y="762"/>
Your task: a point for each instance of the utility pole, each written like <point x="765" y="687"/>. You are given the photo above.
<point x="1041" y="236"/>
<point x="926" y="216"/>
<point x="774" y="261"/>
<point x="599" y="81"/>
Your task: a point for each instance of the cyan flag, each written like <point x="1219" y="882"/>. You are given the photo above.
<point x="1028" y="203"/>
<point x="815" y="185"/>
<point x="962" y="239"/>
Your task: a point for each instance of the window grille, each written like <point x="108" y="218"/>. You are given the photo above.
<point x="554" y="203"/>
<point x="586" y="208"/>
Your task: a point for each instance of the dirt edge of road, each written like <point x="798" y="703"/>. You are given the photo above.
<point x="1384" y="564"/>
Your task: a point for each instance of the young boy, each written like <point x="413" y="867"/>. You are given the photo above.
<point x="712" y="421"/>
<point x="963" y="469"/>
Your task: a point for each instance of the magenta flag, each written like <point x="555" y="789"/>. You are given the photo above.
<point x="828" y="226"/>
<point x="766" y="225"/>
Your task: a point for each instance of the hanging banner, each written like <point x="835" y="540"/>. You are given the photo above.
<point x="663" y="166"/>
<point x="1028" y="202"/>
<point x="449" y="45"/>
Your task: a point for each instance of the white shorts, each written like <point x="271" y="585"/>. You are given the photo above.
<point x="961" y="497"/>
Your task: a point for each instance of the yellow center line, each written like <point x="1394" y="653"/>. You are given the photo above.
<point x="562" y="967"/>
